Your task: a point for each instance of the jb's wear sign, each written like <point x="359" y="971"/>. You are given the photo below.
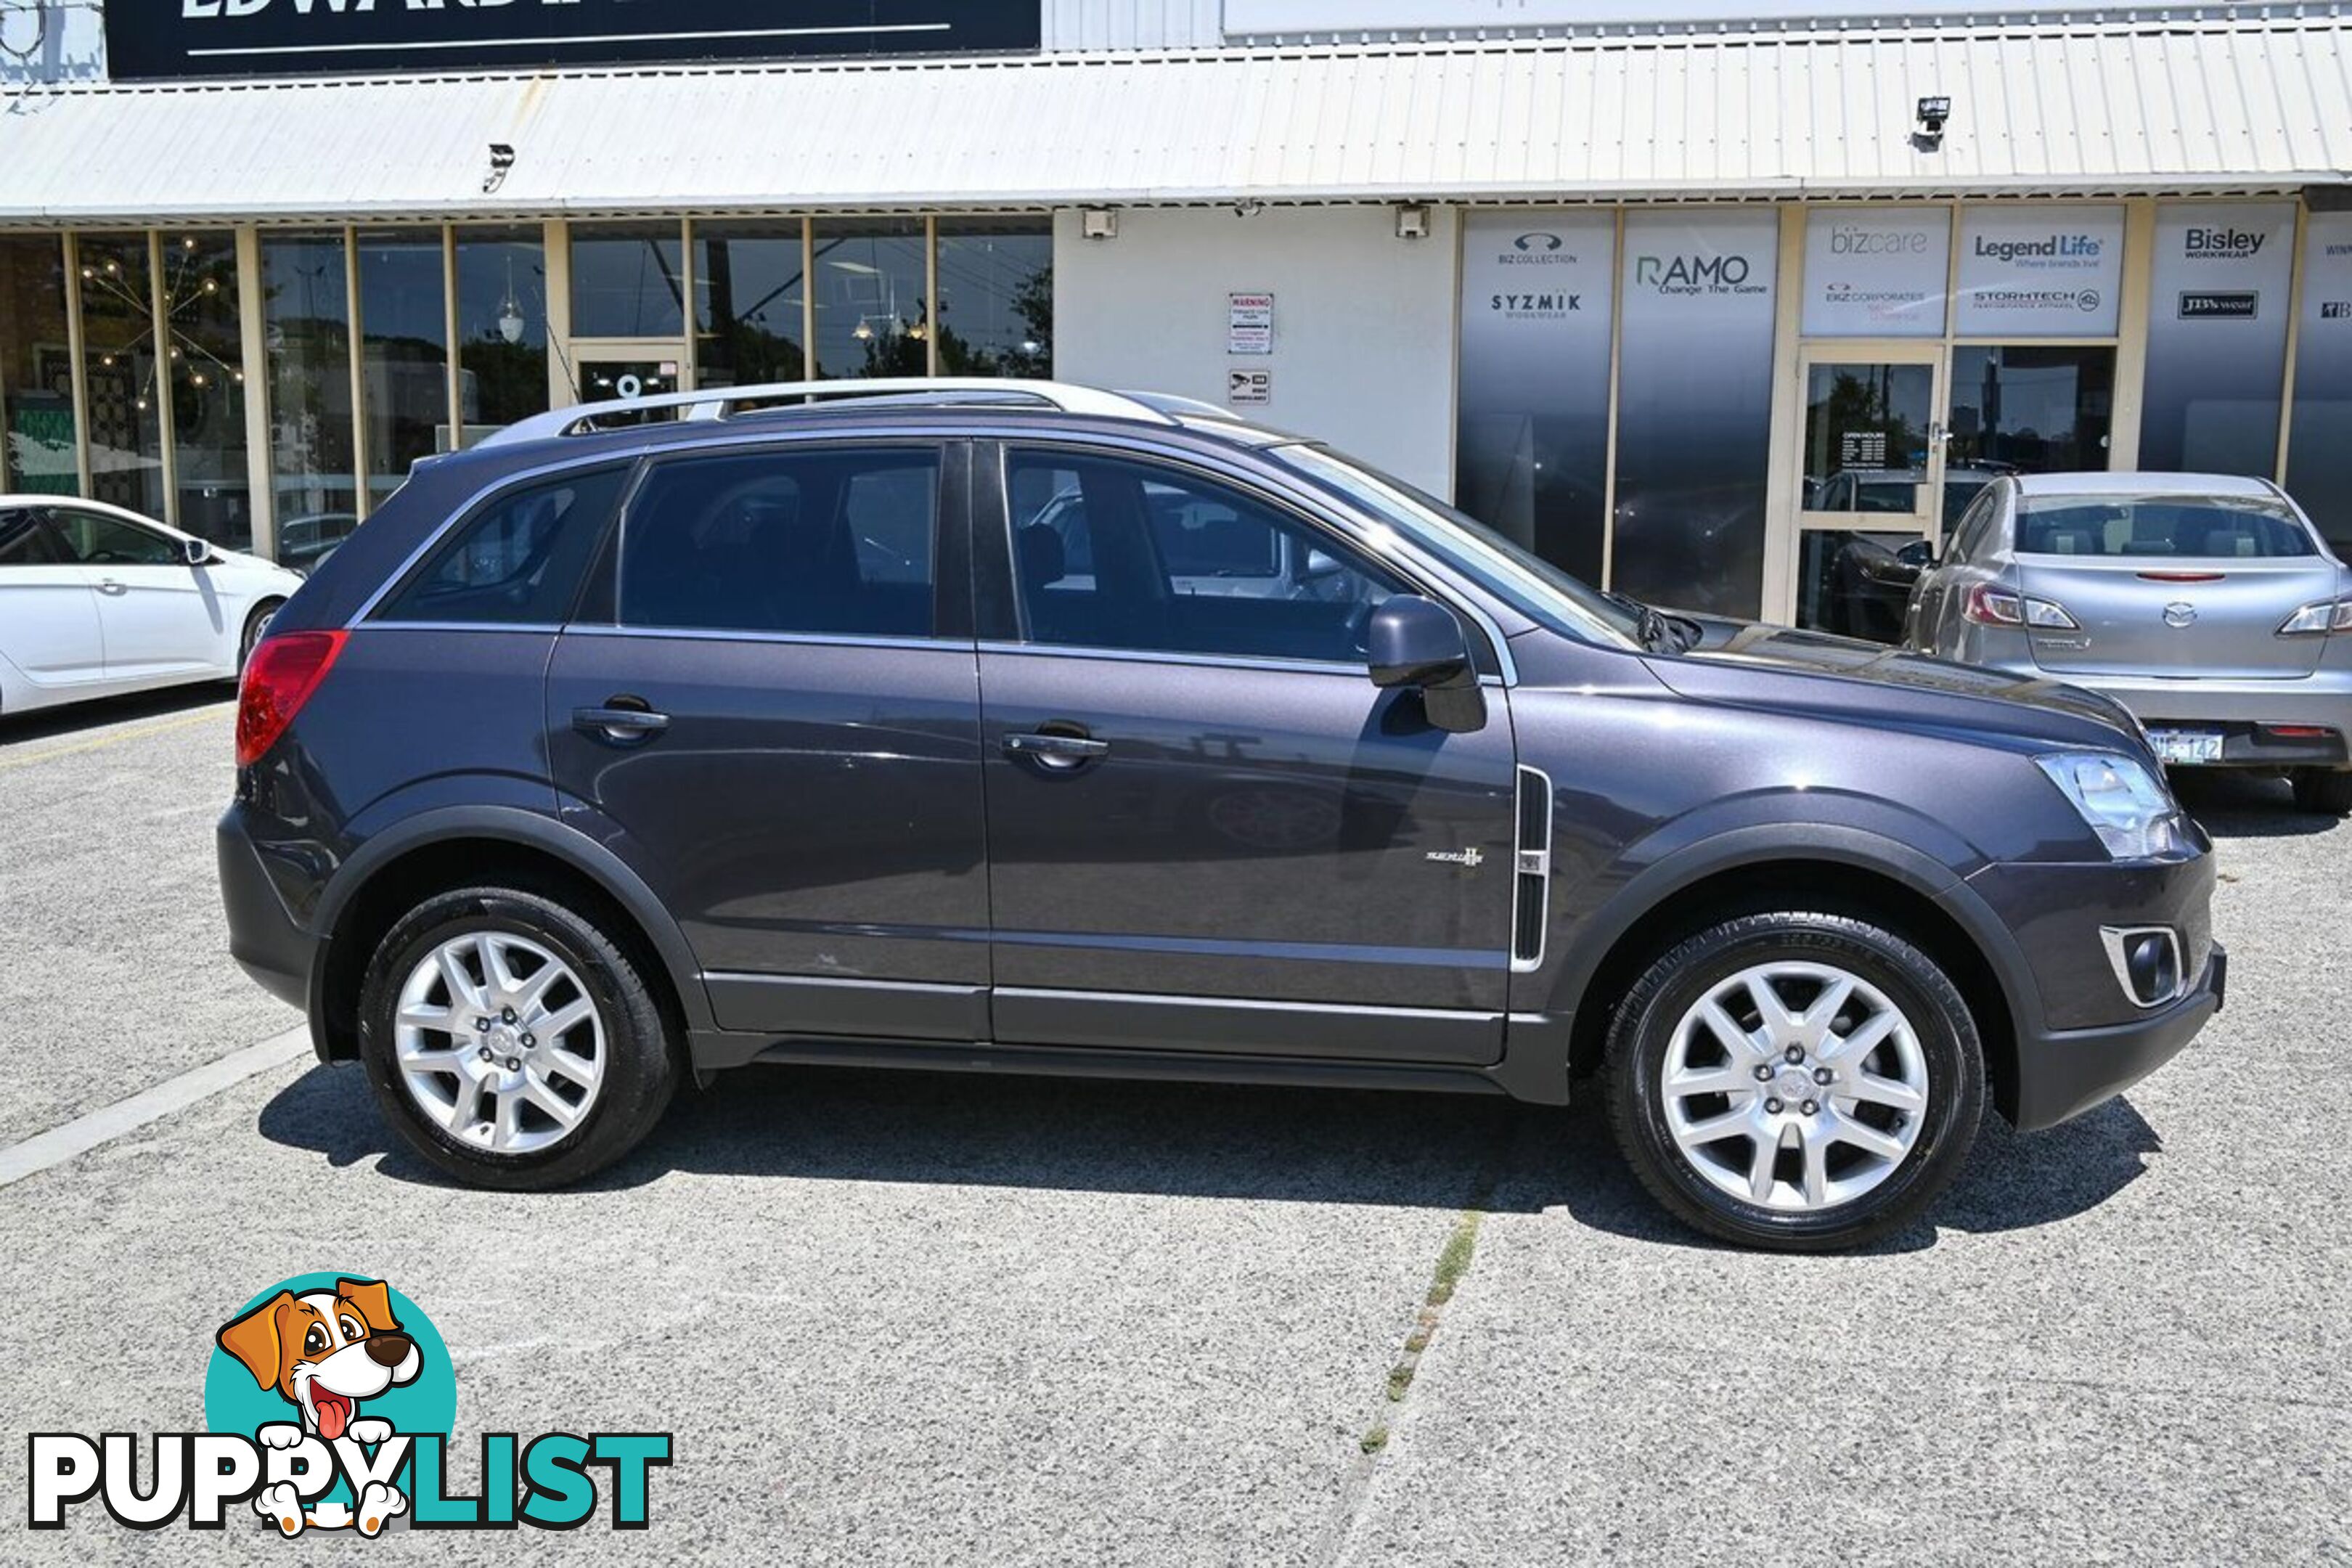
<point x="150" y="40"/>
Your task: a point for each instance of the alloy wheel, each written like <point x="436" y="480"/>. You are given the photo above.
<point x="1797" y="1087"/>
<point x="498" y="1042"/>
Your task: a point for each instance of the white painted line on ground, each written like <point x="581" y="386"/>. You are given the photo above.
<point x="84" y="1133"/>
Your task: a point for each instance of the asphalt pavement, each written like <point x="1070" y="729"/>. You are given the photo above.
<point x="898" y="1318"/>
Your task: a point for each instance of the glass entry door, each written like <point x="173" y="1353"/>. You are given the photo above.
<point x="1873" y="470"/>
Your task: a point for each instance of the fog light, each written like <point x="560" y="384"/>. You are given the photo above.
<point x="2146" y="961"/>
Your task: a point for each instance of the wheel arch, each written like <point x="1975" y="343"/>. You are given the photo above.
<point x="395" y="871"/>
<point x="1830" y="871"/>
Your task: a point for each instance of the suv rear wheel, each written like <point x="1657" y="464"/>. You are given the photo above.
<point x="1798" y="1081"/>
<point x="512" y="1042"/>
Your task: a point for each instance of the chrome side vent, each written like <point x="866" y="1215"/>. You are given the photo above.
<point x="1531" y="871"/>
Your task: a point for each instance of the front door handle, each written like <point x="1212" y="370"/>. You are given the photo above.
<point x="1057" y="750"/>
<point x="619" y="726"/>
<point x="113" y="589"/>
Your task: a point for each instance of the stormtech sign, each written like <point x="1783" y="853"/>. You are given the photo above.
<point x="158" y="39"/>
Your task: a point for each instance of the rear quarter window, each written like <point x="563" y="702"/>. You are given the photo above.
<point x="517" y="560"/>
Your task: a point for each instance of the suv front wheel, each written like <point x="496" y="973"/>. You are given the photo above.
<point x="512" y="1042"/>
<point x="1798" y="1081"/>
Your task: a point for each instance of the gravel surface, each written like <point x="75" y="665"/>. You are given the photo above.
<point x="897" y="1317"/>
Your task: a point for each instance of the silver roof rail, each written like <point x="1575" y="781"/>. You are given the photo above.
<point x="721" y="402"/>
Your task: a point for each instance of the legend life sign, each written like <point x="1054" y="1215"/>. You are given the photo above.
<point x="149" y="40"/>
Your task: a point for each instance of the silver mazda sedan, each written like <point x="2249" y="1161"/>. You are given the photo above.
<point x="2209" y="605"/>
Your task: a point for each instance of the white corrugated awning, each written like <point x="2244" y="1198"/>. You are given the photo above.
<point x="2160" y="104"/>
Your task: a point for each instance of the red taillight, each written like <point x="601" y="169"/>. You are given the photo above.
<point x="278" y="678"/>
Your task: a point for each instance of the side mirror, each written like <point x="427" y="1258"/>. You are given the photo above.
<point x="195" y="551"/>
<point x="1415" y="642"/>
<point x="1918" y="553"/>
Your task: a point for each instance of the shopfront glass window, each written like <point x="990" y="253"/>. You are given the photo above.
<point x="2318" y="454"/>
<point x="2024" y="409"/>
<point x="37" y="411"/>
<point x="996" y="297"/>
<point x="748" y="306"/>
<point x="123" y="379"/>
<point x="1532" y="434"/>
<point x="501" y="328"/>
<point x="306" y="316"/>
<point x="1694" y="408"/>
<point x="405" y="352"/>
<point x="205" y="358"/>
<point x="2216" y="314"/>
<point x="627" y="281"/>
<point x="872" y="317"/>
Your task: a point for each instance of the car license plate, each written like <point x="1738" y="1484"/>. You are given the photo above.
<point x="2185" y="747"/>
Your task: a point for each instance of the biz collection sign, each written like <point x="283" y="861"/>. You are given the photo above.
<point x="150" y="40"/>
<point x="2041" y="272"/>
<point x="1876" y="273"/>
<point x="1531" y="444"/>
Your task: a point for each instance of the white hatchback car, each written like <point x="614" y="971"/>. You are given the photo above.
<point x="96" y="600"/>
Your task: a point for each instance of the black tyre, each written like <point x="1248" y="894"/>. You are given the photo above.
<point x="512" y="1041"/>
<point x="2323" y="791"/>
<point x="1800" y="1082"/>
<point x="256" y="626"/>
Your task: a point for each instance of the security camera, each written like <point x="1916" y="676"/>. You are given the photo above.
<point x="1932" y="112"/>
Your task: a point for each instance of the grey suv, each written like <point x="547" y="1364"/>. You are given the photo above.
<point x="1024" y="726"/>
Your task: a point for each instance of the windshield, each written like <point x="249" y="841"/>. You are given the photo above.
<point x="2153" y="526"/>
<point x="1505" y="568"/>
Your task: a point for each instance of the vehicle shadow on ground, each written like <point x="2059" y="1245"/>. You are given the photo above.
<point x="79" y="718"/>
<point x="1249" y="1143"/>
<point x="1184" y="1140"/>
<point x="2011" y="1182"/>
<point x="2234" y="805"/>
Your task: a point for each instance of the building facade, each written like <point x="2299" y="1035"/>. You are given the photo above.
<point x="1708" y="311"/>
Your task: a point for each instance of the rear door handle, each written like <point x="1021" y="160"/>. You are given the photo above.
<point x="1057" y="750"/>
<point x="113" y="589"/>
<point x="619" y="726"/>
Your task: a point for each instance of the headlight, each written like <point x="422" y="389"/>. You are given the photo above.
<point x="2124" y="803"/>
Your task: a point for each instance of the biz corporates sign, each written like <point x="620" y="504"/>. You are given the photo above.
<point x="155" y="39"/>
<point x="1876" y="272"/>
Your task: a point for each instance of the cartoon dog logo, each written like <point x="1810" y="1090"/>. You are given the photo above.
<point x="324" y="1352"/>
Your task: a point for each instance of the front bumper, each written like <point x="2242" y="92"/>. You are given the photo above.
<point x="2063" y="1073"/>
<point x="263" y="938"/>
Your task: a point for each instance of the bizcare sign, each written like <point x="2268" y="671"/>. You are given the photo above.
<point x="1876" y="274"/>
<point x="152" y="39"/>
<point x="2041" y="272"/>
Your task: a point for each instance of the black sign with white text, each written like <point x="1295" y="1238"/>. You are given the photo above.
<point x="149" y="40"/>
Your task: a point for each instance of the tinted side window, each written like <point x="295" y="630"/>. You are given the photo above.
<point x="101" y="541"/>
<point x="518" y="561"/>
<point x="816" y="541"/>
<point x="25" y="539"/>
<point x="1120" y="555"/>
